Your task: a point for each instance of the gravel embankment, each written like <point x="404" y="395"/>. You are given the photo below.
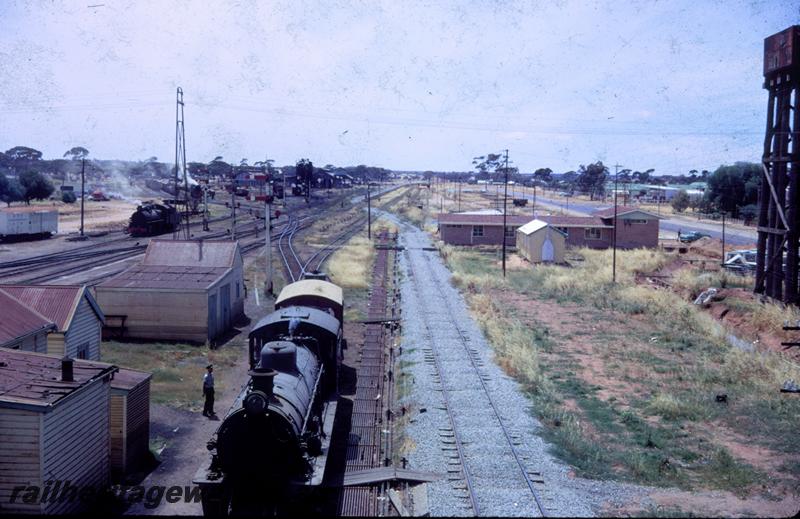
<point x="441" y="348"/>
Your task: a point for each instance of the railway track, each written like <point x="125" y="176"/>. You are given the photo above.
<point x="51" y="267"/>
<point x="483" y="448"/>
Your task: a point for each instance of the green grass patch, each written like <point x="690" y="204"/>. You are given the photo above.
<point x="177" y="368"/>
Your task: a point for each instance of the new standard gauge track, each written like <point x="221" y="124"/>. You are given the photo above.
<point x="494" y="472"/>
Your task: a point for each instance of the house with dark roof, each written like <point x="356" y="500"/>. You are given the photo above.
<point x="69" y="426"/>
<point x="54" y="425"/>
<point x="182" y="290"/>
<point x="636" y="228"/>
<point x="479" y="228"/>
<point x="72" y="309"/>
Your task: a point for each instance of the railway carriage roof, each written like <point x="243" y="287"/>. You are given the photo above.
<point x="280" y="319"/>
<point x="313" y="288"/>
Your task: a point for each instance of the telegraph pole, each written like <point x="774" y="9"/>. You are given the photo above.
<point x="268" y="244"/>
<point x="233" y="204"/>
<point x="369" y="211"/>
<point x="83" y="189"/>
<point x="723" y="238"/>
<point x="505" y="200"/>
<point x="614" y="240"/>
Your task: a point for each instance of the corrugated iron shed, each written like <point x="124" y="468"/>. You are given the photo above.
<point x="56" y="302"/>
<point x="165" y="277"/>
<point x="127" y="378"/>
<point x="176" y="253"/>
<point x="18" y="320"/>
<point x="34" y="379"/>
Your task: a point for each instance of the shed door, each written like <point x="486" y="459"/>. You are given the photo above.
<point x="225" y="301"/>
<point x="548" y="251"/>
<point x="212" y="316"/>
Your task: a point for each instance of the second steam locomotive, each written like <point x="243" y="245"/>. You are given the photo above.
<point x="275" y="437"/>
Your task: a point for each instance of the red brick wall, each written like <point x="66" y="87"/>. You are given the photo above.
<point x="576" y="237"/>
<point x="636" y="235"/>
<point x="492" y="235"/>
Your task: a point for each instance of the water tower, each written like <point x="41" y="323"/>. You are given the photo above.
<point x="779" y="193"/>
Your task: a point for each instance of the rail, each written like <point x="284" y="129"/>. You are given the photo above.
<point x="464" y="342"/>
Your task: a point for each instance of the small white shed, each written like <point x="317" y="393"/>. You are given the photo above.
<point x="539" y="242"/>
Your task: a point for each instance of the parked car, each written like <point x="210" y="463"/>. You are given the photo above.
<point x="689" y="237"/>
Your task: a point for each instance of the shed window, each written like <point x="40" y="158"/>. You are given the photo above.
<point x="510" y="232"/>
<point x="637" y="221"/>
<point x="83" y="351"/>
<point x="477" y="231"/>
<point x="564" y="230"/>
<point x="592" y="234"/>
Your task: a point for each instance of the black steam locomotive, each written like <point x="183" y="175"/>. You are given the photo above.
<point x="274" y="440"/>
<point x="154" y="219"/>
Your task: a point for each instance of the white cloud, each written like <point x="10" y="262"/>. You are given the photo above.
<point x="418" y="85"/>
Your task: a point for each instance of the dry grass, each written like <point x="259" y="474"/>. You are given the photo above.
<point x="350" y="266"/>
<point x="177" y="368"/>
<point x="674" y="360"/>
<point x="692" y="281"/>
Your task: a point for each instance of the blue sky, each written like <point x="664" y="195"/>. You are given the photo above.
<point x="404" y="85"/>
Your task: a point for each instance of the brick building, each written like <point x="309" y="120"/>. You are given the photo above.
<point x="479" y="228"/>
<point x="636" y="228"/>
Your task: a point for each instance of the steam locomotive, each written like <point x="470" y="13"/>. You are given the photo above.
<point x="274" y="440"/>
<point x="154" y="219"/>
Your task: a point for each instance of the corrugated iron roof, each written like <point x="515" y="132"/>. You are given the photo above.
<point x="56" y="302"/>
<point x="621" y="210"/>
<point x="159" y="276"/>
<point x="532" y="226"/>
<point x="127" y="379"/>
<point x="310" y="287"/>
<point x="482" y="219"/>
<point x="183" y="253"/>
<point x="574" y="221"/>
<point x="18" y="320"/>
<point x="34" y="379"/>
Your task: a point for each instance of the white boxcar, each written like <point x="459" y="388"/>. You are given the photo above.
<point x="21" y="221"/>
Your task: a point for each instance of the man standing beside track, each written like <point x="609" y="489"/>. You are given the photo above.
<point x="208" y="391"/>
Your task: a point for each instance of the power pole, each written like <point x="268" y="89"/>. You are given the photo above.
<point x="369" y="211"/>
<point x="83" y="190"/>
<point x="268" y="243"/>
<point x="180" y="161"/>
<point x="233" y="204"/>
<point x="614" y="239"/>
<point x="723" y="238"/>
<point x="505" y="199"/>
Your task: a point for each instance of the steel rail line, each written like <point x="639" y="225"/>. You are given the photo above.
<point x="291" y="227"/>
<point x="456" y="436"/>
<point x="492" y="404"/>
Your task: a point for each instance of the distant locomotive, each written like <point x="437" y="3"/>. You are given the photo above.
<point x="154" y="219"/>
<point x="274" y="440"/>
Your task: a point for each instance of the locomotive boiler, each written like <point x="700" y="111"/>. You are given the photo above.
<point x="274" y="440"/>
